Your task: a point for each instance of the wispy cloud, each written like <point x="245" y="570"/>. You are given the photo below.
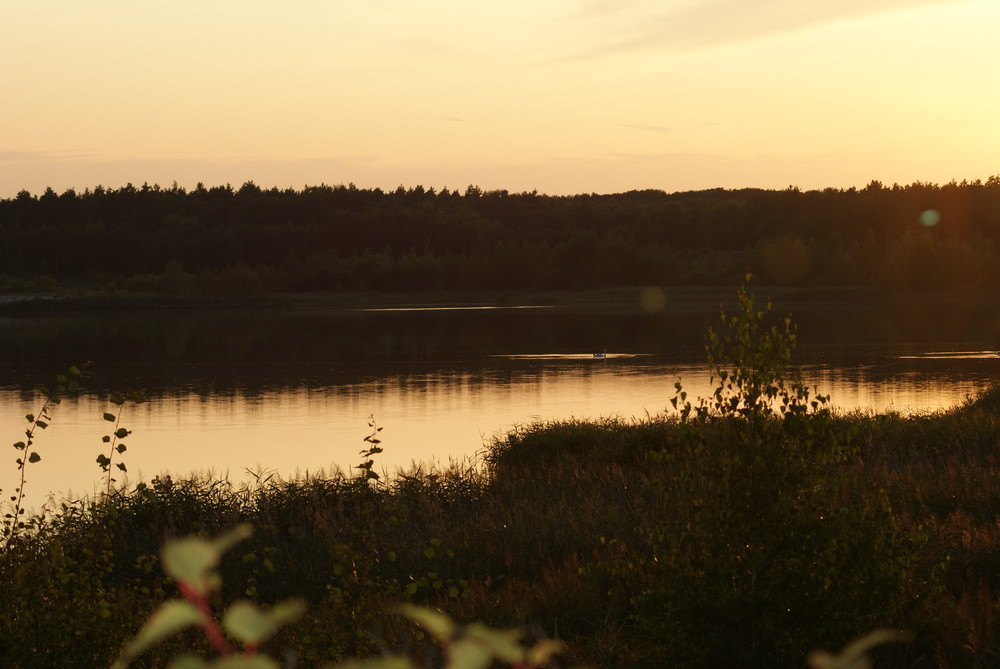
<point x="648" y="128"/>
<point x="40" y="156"/>
<point x="655" y="156"/>
<point x="605" y="7"/>
<point x="704" y="25"/>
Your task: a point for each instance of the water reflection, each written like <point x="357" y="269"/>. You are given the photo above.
<point x="952" y="355"/>
<point x="293" y="391"/>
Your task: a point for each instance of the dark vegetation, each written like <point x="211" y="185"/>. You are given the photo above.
<point x="749" y="529"/>
<point x="223" y="241"/>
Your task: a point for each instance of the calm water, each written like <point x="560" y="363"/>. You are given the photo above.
<point x="292" y="391"/>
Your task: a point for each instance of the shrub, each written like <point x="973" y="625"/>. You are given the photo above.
<point x="760" y="552"/>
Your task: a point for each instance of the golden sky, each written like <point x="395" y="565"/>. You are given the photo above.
<point x="562" y="96"/>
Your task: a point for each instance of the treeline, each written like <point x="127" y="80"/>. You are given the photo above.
<point x="227" y="241"/>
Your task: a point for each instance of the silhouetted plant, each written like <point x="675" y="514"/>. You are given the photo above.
<point x="13" y="521"/>
<point x="115" y="440"/>
<point x="749" y="365"/>
<point x="760" y="552"/>
<point x="368" y="472"/>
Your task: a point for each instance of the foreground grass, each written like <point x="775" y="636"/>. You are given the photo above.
<point x="576" y="530"/>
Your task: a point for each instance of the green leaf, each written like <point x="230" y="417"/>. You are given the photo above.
<point x="170" y="618"/>
<point x="34" y="457"/>
<point x="855" y="654"/>
<point x="121" y="466"/>
<point x="439" y="625"/>
<point x="504" y="645"/>
<point x="110" y="417"/>
<point x="187" y="662"/>
<point x="106" y="439"/>
<point x="121" y="433"/>
<point x="41" y="423"/>
<point x="192" y="560"/>
<point x="30" y="418"/>
<point x="20" y="446"/>
<point x="121" y="448"/>
<point x="251" y="625"/>
<point x="467" y="654"/>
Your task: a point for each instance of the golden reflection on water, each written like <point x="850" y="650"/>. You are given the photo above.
<point x="431" y="417"/>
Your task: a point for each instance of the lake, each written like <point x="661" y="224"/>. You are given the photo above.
<point x="291" y="391"/>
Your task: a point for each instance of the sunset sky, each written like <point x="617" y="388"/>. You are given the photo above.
<point x="562" y="96"/>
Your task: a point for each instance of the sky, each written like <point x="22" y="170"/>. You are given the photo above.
<point x="558" y="96"/>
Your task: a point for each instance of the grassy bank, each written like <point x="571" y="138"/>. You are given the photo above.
<point x="575" y="530"/>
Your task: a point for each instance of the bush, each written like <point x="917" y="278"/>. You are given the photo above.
<point x="761" y="552"/>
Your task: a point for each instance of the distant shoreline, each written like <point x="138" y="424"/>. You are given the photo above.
<point x="624" y="299"/>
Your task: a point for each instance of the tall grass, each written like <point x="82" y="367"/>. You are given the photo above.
<point x="545" y="534"/>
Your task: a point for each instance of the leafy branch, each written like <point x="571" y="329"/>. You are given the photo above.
<point x="367" y="466"/>
<point x="13" y="523"/>
<point x="192" y="563"/>
<point x="115" y="439"/>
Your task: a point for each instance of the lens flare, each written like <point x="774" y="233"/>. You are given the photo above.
<point x="653" y="299"/>
<point x="930" y="218"/>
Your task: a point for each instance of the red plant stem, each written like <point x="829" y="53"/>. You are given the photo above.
<point x="208" y="622"/>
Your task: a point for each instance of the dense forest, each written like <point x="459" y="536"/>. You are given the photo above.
<point x="233" y="241"/>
